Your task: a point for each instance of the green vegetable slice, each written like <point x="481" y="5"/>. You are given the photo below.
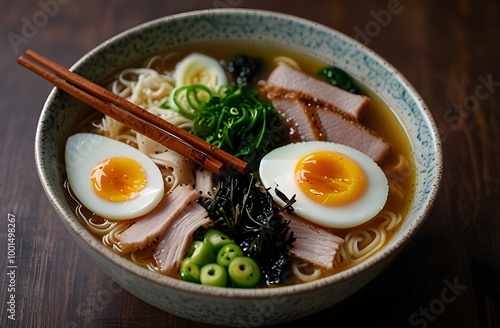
<point x="201" y="252"/>
<point x="217" y="239"/>
<point x="190" y="271"/>
<point x="244" y="272"/>
<point x="213" y="274"/>
<point x="227" y="253"/>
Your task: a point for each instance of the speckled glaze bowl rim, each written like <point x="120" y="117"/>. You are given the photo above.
<point x="393" y="248"/>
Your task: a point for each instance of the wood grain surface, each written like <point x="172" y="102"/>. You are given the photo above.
<point x="448" y="275"/>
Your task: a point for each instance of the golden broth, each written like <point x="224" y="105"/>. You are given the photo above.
<point x="379" y="117"/>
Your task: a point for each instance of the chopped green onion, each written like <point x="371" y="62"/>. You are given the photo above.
<point x="189" y="99"/>
<point x="236" y="121"/>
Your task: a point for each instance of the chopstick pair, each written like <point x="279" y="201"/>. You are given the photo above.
<point x="133" y="116"/>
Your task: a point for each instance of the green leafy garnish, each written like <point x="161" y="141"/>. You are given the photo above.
<point x="339" y="78"/>
<point x="247" y="214"/>
<point x="236" y="121"/>
<point x="244" y="68"/>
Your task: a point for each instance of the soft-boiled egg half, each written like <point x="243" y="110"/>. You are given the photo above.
<point x="111" y="178"/>
<point x="334" y="185"/>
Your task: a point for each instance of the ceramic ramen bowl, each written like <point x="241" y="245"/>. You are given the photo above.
<point x="230" y="306"/>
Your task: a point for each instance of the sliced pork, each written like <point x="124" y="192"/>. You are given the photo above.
<point x="156" y="222"/>
<point x="204" y="182"/>
<point x="286" y="77"/>
<point x="339" y="128"/>
<point x="313" y="243"/>
<point x="301" y="123"/>
<point x="309" y="121"/>
<point x="175" y="242"/>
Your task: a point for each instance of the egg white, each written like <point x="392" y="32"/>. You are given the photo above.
<point x="84" y="150"/>
<point x="277" y="170"/>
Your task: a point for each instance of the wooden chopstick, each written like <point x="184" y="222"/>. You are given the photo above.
<point x="133" y="116"/>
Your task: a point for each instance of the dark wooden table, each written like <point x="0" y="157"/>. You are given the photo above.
<point x="448" y="276"/>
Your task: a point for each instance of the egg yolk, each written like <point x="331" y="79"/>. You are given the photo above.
<point x="118" y="179"/>
<point x="330" y="178"/>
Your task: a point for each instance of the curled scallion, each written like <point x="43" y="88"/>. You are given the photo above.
<point x="189" y="99"/>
